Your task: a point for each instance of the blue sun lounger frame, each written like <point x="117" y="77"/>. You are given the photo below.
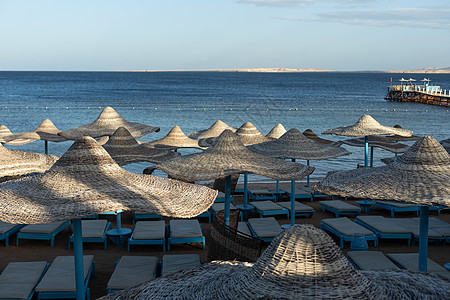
<point x="386" y="235"/>
<point x="346" y="238"/>
<point x="5" y="236"/>
<point x="185" y="240"/>
<point x="395" y="209"/>
<point x="162" y="241"/>
<point x="137" y="217"/>
<point x="42" y="236"/>
<point x="338" y="212"/>
<point x="103" y="239"/>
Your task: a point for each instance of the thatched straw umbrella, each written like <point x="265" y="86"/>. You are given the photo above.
<point x="124" y="149"/>
<point x="173" y="140"/>
<point x="214" y="131"/>
<point x="421" y="175"/>
<point x="294" y="145"/>
<point x="311" y="135"/>
<point x="87" y="181"/>
<point x="46" y="131"/>
<point x="302" y="262"/>
<point x="277" y="131"/>
<point x="367" y="126"/>
<point x="106" y="123"/>
<point x="229" y="156"/>
<point x="4" y="131"/>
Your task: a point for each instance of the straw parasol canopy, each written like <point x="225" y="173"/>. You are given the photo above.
<point x="302" y="262"/>
<point x="46" y="131"/>
<point x="367" y="126"/>
<point x="173" y="140"/>
<point x="124" y="149"/>
<point x="446" y="144"/>
<point x="15" y="162"/>
<point x="311" y="135"/>
<point x="398" y="138"/>
<point x="379" y="142"/>
<point x="420" y="175"/>
<point x="277" y="131"/>
<point x="293" y="144"/>
<point x="229" y="156"/>
<point x="106" y="123"/>
<point x="249" y="135"/>
<point x="87" y="181"/>
<point x="4" y="131"/>
<point x="215" y="130"/>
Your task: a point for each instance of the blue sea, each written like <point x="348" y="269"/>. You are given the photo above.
<point x="195" y="100"/>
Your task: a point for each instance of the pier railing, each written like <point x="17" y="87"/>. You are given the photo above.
<point x="420" y="89"/>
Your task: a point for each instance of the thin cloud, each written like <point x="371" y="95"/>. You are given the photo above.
<point x="295" y="3"/>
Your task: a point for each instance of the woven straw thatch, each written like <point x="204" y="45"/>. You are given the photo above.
<point x="446" y="144"/>
<point x="311" y="135"/>
<point x="229" y="156"/>
<point x="214" y="131"/>
<point x="367" y="126"/>
<point x="399" y="138"/>
<point x="249" y="135"/>
<point x="106" y="123"/>
<point x="382" y="142"/>
<point x="15" y="162"/>
<point x="277" y="131"/>
<point x="174" y="139"/>
<point x="46" y="131"/>
<point x="124" y="149"/>
<point x="4" y="131"/>
<point x="293" y="144"/>
<point x="303" y="262"/>
<point x="87" y="181"/>
<point x="420" y="175"/>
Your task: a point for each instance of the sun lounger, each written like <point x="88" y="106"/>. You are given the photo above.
<point x="137" y="215"/>
<point x="269" y="208"/>
<point x="394" y="207"/>
<point x="339" y="207"/>
<point x="172" y="263"/>
<point x="42" y="231"/>
<point x="221" y="198"/>
<point x="438" y="226"/>
<point x="262" y="194"/>
<point x="148" y="233"/>
<point x="7" y="230"/>
<point x="414" y="227"/>
<point x="300" y="209"/>
<point x="410" y="261"/>
<point x="384" y="228"/>
<point x="19" y="279"/>
<point x="300" y="193"/>
<point x="59" y="280"/>
<point x="371" y="260"/>
<point x="130" y="271"/>
<point x="264" y="228"/>
<point x="216" y="207"/>
<point x="344" y="228"/>
<point x="94" y="231"/>
<point x="243" y="228"/>
<point x="185" y="232"/>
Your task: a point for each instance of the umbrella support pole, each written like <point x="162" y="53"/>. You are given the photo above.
<point x="371" y="156"/>
<point x="245" y="189"/>
<point x="292" y="202"/>
<point x="78" y="256"/>
<point x="307" y="177"/>
<point x="423" y="238"/>
<point x="226" y="214"/>
<point x="366" y="151"/>
<point x="46" y="147"/>
<point x="278" y="186"/>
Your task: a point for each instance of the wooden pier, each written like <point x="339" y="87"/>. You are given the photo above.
<point x="426" y="94"/>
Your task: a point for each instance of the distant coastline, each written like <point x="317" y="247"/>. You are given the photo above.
<point x="288" y="70"/>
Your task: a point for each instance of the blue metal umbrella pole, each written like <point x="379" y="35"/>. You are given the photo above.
<point x="366" y="151"/>
<point x="245" y="189"/>
<point x="423" y="238"/>
<point x="226" y="214"/>
<point x="307" y="177"/>
<point x="371" y="156"/>
<point x="292" y="202"/>
<point x="46" y="146"/>
<point x="78" y="255"/>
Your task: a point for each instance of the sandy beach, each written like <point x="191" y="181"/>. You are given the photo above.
<point x="32" y="250"/>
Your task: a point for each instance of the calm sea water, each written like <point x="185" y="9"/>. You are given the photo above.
<point x="195" y="100"/>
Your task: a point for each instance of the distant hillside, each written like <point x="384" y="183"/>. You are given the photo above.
<point x="430" y="70"/>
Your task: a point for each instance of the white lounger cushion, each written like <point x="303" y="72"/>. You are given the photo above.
<point x="396" y="204"/>
<point x="338" y="204"/>
<point x="410" y="261"/>
<point x="382" y="224"/>
<point x="5" y="227"/>
<point x="18" y="279"/>
<point x="347" y="227"/>
<point x="265" y="227"/>
<point x="437" y="225"/>
<point x="298" y="206"/>
<point x="414" y="227"/>
<point x="60" y="276"/>
<point x="371" y="260"/>
<point x="243" y="227"/>
<point x="93" y="228"/>
<point x="221" y="206"/>
<point x="132" y="270"/>
<point x="172" y="263"/>
<point x="42" y="228"/>
<point x="260" y="191"/>
<point x="185" y="228"/>
<point x="266" y="205"/>
<point x="149" y="230"/>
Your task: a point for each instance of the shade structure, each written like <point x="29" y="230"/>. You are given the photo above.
<point x="229" y="156"/>
<point x="311" y="135"/>
<point x="367" y="126"/>
<point x="379" y="142"/>
<point x="399" y="138"/>
<point x="46" y="131"/>
<point x="446" y="144"/>
<point x="87" y="181"/>
<point x="294" y="145"/>
<point x="302" y="262"/>
<point x="4" y="131"/>
<point x="420" y="175"/>
<point x="277" y="131"/>
<point x="15" y="162"/>
<point x="124" y="149"/>
<point x="106" y="123"/>
<point x="215" y="130"/>
<point x="173" y="140"/>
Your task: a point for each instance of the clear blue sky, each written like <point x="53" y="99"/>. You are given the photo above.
<point x="209" y="34"/>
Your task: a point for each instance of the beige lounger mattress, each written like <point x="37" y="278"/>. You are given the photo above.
<point x="5" y="227"/>
<point x="372" y="260"/>
<point x="149" y="230"/>
<point x="93" y="228"/>
<point x="298" y="206"/>
<point x="382" y="224"/>
<point x="347" y="227"/>
<point x="265" y="227"/>
<point x="42" y="228"/>
<point x="266" y="205"/>
<point x="18" y="279"/>
<point x="132" y="270"/>
<point x="339" y="204"/>
<point x="185" y="228"/>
